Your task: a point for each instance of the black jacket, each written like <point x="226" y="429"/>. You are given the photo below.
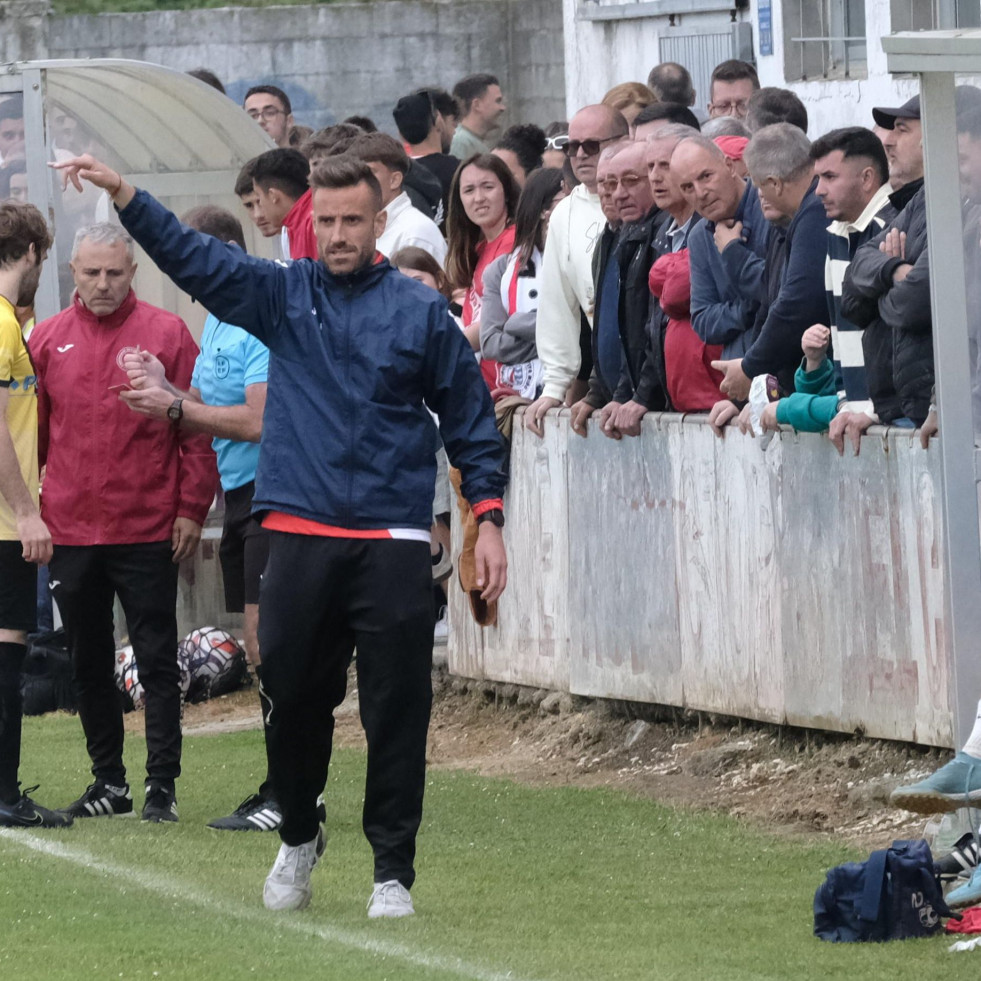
<point x="903" y="307"/>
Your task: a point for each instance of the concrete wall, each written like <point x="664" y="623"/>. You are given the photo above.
<point x="789" y="585"/>
<point x="601" y="53"/>
<point x="334" y="60"/>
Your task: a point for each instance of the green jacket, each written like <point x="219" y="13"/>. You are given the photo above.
<point x="814" y="403"/>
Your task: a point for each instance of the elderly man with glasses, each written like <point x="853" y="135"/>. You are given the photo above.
<point x="565" y="306"/>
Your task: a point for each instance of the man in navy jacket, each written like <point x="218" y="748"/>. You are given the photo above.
<point x="346" y="470"/>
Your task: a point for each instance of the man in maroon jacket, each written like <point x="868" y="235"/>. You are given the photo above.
<point x="124" y="499"/>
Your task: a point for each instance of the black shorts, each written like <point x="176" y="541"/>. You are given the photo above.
<point x="243" y="551"/>
<point x="18" y="589"/>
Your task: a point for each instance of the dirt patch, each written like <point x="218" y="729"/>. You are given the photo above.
<point x="784" y="779"/>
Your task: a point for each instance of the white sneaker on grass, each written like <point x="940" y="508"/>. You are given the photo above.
<point x="288" y="884"/>
<point x="390" y="899"/>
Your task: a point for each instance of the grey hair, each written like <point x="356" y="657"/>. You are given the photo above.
<point x="693" y="136"/>
<point x="671" y="131"/>
<point x="104" y="233"/>
<point x="725" y="126"/>
<point x="780" y="151"/>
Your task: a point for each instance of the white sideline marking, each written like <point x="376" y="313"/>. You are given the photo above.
<point x="164" y="885"/>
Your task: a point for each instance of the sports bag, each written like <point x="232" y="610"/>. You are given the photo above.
<point x="893" y="895"/>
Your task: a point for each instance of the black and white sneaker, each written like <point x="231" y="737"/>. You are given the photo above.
<point x="160" y="803"/>
<point x="102" y="800"/>
<point x="255" y="813"/>
<point x="960" y="862"/>
<point x="26" y="814"/>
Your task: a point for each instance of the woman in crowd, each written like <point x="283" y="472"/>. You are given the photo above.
<point x="480" y="227"/>
<point x="521" y="148"/>
<point x="629" y="98"/>
<point x="510" y="307"/>
<point x="419" y="265"/>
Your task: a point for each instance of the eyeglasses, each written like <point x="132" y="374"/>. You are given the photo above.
<point x="589" y="147"/>
<point x="737" y="108"/>
<point x="628" y="182"/>
<point x="557" y="142"/>
<point x="267" y="114"/>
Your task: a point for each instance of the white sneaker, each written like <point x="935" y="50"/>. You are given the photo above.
<point x="442" y="632"/>
<point x="390" y="899"/>
<point x="288" y="884"/>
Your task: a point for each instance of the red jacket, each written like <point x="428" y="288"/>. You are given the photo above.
<point x="113" y="476"/>
<point x="693" y="384"/>
<point x="299" y="226"/>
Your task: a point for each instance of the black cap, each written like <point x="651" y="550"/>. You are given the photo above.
<point x="886" y="118"/>
<point x="414" y="116"/>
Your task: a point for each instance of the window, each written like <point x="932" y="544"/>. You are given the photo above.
<point x="825" y="38"/>
<point x="934" y="15"/>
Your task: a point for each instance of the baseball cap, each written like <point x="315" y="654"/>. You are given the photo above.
<point x="886" y="118"/>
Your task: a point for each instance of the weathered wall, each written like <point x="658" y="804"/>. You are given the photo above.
<point x="786" y="586"/>
<point x="334" y="60"/>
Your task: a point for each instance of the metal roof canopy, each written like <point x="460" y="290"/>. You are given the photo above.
<point x="936" y="56"/>
<point x="166" y="131"/>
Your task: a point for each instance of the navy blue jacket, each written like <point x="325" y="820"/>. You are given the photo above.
<point x="723" y="311"/>
<point x="354" y="361"/>
<point x="799" y="299"/>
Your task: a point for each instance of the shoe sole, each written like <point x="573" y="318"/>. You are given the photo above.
<point x="390" y="916"/>
<point x="933" y="802"/>
<point x="92" y="817"/>
<point x="303" y="904"/>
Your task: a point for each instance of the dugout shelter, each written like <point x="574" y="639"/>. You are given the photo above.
<point x="165" y="131"/>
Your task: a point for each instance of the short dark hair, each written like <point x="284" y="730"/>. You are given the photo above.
<point x="672" y="82"/>
<point x="446" y="104"/>
<point x="217" y="222"/>
<point x="772" y="105"/>
<point x="472" y="87"/>
<point x="285" y="169"/>
<point x="274" y="91"/>
<point x="415" y="117"/>
<point x="331" y="140"/>
<point x="673" y="112"/>
<point x="527" y="142"/>
<point x="14" y="168"/>
<point x="21" y="226"/>
<point x="12" y="108"/>
<point x="362" y="122"/>
<point x="969" y="123"/>
<point x="243" y="183"/>
<point x="734" y="70"/>
<point x="298" y="134"/>
<point x="380" y="148"/>
<point x="207" y="76"/>
<point x="336" y="173"/>
<point x="855" y="141"/>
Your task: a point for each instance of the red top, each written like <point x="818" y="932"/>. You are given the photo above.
<point x="113" y="476"/>
<point x="487" y="252"/>
<point x="299" y="226"/>
<point x="693" y="385"/>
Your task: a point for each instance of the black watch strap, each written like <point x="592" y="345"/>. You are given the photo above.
<point x="495" y="516"/>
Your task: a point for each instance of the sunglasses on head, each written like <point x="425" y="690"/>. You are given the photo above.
<point x="589" y="147"/>
<point x="557" y="142"/>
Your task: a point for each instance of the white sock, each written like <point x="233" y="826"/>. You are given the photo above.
<point x="973" y="745"/>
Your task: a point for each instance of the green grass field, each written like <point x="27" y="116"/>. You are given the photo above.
<point x="514" y="883"/>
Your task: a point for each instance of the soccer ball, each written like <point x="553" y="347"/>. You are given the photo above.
<point x="216" y="661"/>
<point x="128" y="677"/>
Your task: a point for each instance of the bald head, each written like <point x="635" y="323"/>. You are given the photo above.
<point x="591" y="129"/>
<point x="707" y="179"/>
<point x="632" y="193"/>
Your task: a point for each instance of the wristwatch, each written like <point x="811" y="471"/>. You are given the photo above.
<point x="495" y="516"/>
<point x="176" y="411"/>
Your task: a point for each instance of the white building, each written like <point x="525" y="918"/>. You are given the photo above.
<point x="828" y="51"/>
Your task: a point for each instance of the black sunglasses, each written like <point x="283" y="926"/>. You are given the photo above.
<point x="589" y="147"/>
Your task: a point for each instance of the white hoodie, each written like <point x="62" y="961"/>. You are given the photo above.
<point x="566" y="287"/>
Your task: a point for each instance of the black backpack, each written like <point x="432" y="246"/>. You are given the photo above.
<point x="893" y="895"/>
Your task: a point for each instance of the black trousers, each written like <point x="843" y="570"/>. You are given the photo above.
<point x="321" y="598"/>
<point x="84" y="580"/>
